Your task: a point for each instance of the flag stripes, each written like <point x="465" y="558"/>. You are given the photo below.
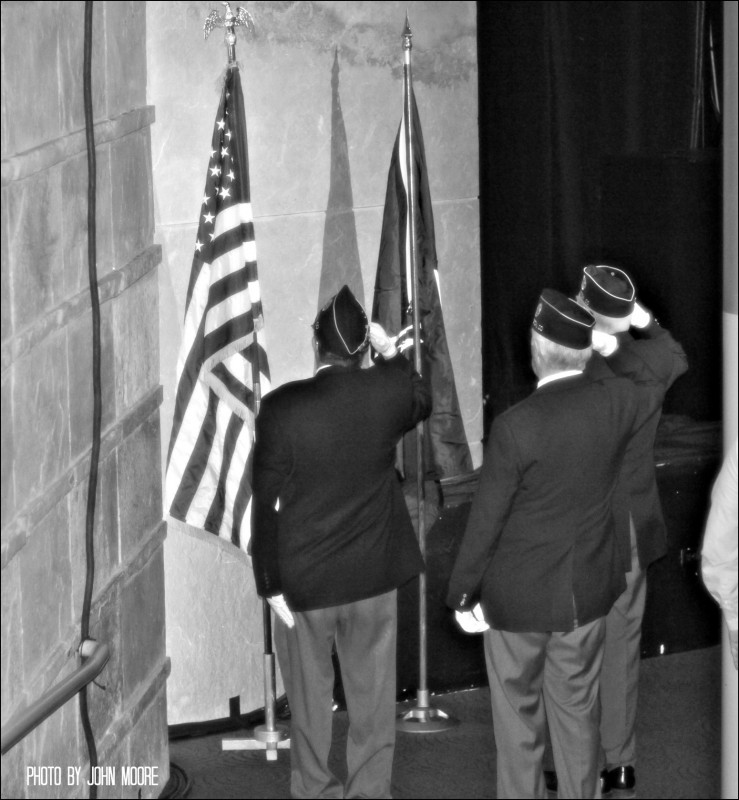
<point x="222" y="357"/>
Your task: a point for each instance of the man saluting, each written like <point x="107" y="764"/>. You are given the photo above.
<point x="539" y="558"/>
<point x="332" y="541"/>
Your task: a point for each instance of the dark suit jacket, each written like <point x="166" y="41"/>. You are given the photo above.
<point x="539" y="549"/>
<point x="653" y="362"/>
<point x="325" y="448"/>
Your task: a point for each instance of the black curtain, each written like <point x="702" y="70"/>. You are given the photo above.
<point x="588" y="114"/>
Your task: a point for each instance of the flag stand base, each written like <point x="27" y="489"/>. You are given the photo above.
<point x="263" y="738"/>
<point x="424" y="719"/>
<point x="270" y="735"/>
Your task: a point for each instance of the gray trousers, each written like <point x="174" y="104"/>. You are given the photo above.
<point x="619" y="679"/>
<point x="365" y="634"/>
<point x="540" y="678"/>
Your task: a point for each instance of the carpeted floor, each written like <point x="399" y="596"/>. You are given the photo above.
<point x="679" y="733"/>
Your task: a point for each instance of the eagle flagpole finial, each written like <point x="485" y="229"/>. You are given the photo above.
<point x="229" y="21"/>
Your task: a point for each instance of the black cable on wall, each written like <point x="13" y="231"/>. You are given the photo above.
<point x="96" y="379"/>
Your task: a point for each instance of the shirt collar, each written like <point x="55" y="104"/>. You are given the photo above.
<point x="557" y="375"/>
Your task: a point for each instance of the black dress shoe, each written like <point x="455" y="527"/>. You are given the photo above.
<point x="550" y="779"/>
<point x="621" y="779"/>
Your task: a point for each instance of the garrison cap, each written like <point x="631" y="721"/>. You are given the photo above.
<point x="341" y="326"/>
<point x="563" y="321"/>
<point x="608" y="291"/>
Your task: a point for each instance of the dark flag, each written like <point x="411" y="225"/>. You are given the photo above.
<point x="448" y="453"/>
<point x="222" y="364"/>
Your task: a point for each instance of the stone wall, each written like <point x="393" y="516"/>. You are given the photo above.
<point x="323" y="96"/>
<point x="47" y="394"/>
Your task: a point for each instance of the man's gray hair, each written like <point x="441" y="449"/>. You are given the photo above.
<point x="558" y="358"/>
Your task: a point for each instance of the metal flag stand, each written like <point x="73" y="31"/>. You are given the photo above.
<point x="270" y="735"/>
<point x="423" y="718"/>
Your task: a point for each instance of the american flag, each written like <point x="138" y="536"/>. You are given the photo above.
<point x="222" y="363"/>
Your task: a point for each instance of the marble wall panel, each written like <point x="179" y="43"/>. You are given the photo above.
<point x="135" y="325"/>
<point x="106" y="705"/>
<point x="148" y="746"/>
<point x="4" y="129"/>
<point x="11" y="667"/>
<point x="7" y="482"/>
<point x="46" y="595"/>
<point x="133" y="218"/>
<point x="107" y="556"/>
<point x="125" y="55"/>
<point x="55" y="743"/>
<point x="30" y="43"/>
<point x="105" y="235"/>
<point x="139" y="487"/>
<point x="71" y="22"/>
<point x="35" y="251"/>
<point x="80" y="377"/>
<point x="74" y="222"/>
<point x="40" y="417"/>
<point x="142" y="625"/>
<point x="13" y="772"/>
<point x="117" y="759"/>
<point x="6" y="308"/>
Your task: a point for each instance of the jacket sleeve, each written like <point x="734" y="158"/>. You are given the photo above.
<point x="271" y="468"/>
<point x="500" y="479"/>
<point x="663" y="355"/>
<point x="420" y="391"/>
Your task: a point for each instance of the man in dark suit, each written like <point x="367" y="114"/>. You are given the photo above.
<point x="332" y="541"/>
<point x="647" y="355"/>
<point x="539" y="553"/>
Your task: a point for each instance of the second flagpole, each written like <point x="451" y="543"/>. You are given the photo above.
<point x="422" y="718"/>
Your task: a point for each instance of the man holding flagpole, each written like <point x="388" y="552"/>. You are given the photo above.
<point x="332" y="541"/>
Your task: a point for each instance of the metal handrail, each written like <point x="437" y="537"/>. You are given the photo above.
<point x="23" y="722"/>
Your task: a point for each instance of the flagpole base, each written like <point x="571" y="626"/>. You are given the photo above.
<point x="271" y="739"/>
<point x="424" y="719"/>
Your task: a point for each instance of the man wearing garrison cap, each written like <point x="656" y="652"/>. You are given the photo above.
<point x="646" y="354"/>
<point x="538" y="561"/>
<point x="332" y="541"/>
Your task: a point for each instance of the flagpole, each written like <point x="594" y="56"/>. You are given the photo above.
<point x="270" y="734"/>
<point x="423" y="718"/>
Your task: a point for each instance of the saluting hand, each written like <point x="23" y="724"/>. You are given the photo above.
<point x="640" y="316"/>
<point x="381" y="342"/>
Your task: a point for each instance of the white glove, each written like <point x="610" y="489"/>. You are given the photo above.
<point x="404" y="340"/>
<point x="640" y="317"/>
<point x="381" y="342"/>
<point x="472" y="621"/>
<point x="604" y="343"/>
<point x="279" y="606"/>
